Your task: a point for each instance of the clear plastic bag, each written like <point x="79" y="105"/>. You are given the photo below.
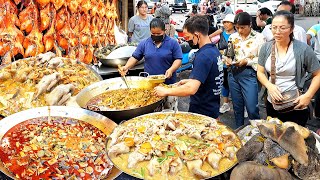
<point x="121" y="37"/>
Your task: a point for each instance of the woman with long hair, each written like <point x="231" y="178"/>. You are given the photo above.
<point x="139" y="25"/>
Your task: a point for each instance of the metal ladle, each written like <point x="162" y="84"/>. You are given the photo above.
<point x="123" y="76"/>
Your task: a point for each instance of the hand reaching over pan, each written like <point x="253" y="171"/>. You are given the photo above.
<point x="162" y="91"/>
<point x="60" y="95"/>
<point x="123" y="70"/>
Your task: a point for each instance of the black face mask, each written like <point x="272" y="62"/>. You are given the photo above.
<point x="193" y="46"/>
<point x="157" y="38"/>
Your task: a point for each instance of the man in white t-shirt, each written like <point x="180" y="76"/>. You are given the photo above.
<point x="298" y="32"/>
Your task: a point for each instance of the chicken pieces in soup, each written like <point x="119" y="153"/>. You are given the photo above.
<point x="179" y="146"/>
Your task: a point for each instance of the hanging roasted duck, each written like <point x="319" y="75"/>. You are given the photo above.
<point x="85" y="6"/>
<point x="82" y="21"/>
<point x="103" y="31"/>
<point x="88" y="54"/>
<point x="73" y="5"/>
<point x="12" y="9"/>
<point x="94" y="8"/>
<point x="61" y="18"/>
<point x="66" y="38"/>
<point x="33" y="42"/>
<point x="45" y="17"/>
<point x="94" y="31"/>
<point x="49" y="38"/>
<point x="101" y="8"/>
<point x="27" y="17"/>
<point x="85" y="32"/>
<point x="11" y="37"/>
<point x="43" y="3"/>
<point x="57" y="3"/>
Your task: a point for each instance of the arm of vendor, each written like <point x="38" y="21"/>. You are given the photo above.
<point x="161" y="53"/>
<point x="204" y="83"/>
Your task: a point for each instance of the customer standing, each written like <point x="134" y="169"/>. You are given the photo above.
<point x="314" y="31"/>
<point x="204" y="83"/>
<point x="263" y="17"/>
<point x="228" y="29"/>
<point x="298" y="32"/>
<point x="293" y="59"/>
<point x="242" y="75"/>
<point x="164" y="14"/>
<point x="139" y="25"/>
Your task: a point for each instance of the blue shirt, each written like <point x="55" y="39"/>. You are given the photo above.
<point x="208" y="69"/>
<point x="159" y="60"/>
<point x="225" y="35"/>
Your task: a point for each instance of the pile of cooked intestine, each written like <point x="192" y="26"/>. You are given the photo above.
<point x="276" y="150"/>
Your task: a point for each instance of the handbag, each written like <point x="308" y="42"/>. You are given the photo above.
<point x="287" y="104"/>
<point x="222" y="44"/>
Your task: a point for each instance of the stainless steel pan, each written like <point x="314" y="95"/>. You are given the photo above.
<point x="97" y="120"/>
<point x="116" y="57"/>
<point x="117" y="83"/>
<point x="180" y="115"/>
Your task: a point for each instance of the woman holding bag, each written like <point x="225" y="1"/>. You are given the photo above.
<point x="242" y="75"/>
<point x="288" y="61"/>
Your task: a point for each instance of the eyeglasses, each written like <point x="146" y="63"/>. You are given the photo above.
<point x="281" y="28"/>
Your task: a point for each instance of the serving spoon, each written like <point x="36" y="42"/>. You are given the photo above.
<point x="123" y="75"/>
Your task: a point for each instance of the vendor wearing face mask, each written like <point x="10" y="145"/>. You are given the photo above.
<point x="162" y="54"/>
<point x="205" y="81"/>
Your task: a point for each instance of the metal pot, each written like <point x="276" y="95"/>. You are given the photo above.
<point x="180" y="115"/>
<point x="97" y="120"/>
<point x="116" y="57"/>
<point x="117" y="83"/>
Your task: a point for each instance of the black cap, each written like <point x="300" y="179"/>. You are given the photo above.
<point x="242" y="18"/>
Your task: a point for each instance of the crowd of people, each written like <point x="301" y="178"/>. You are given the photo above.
<point x="280" y="58"/>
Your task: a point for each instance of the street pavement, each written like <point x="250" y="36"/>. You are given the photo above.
<point x="228" y="117"/>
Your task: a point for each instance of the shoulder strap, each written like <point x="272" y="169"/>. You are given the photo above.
<point x="273" y="64"/>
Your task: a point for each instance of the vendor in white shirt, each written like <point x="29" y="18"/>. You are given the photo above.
<point x="298" y="32"/>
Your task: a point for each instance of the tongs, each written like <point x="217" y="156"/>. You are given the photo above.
<point x="123" y="75"/>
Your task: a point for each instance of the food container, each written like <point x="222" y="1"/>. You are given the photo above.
<point x="117" y="83"/>
<point x="101" y="122"/>
<point x="140" y="170"/>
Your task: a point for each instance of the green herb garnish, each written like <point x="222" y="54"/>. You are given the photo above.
<point x="162" y="159"/>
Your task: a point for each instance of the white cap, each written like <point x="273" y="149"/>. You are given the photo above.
<point x="229" y="18"/>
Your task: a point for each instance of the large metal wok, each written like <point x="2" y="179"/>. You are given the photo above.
<point x="163" y="115"/>
<point x="97" y="120"/>
<point x="117" y="83"/>
<point x="116" y="57"/>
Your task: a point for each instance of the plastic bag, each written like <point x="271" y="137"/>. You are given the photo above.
<point x="121" y="37"/>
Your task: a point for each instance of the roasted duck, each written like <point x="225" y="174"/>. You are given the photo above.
<point x="58" y="3"/>
<point x="46" y="17"/>
<point x="49" y="38"/>
<point x="73" y="5"/>
<point x="11" y="38"/>
<point x="28" y="17"/>
<point x="33" y="42"/>
<point x="85" y="6"/>
<point x="43" y="3"/>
